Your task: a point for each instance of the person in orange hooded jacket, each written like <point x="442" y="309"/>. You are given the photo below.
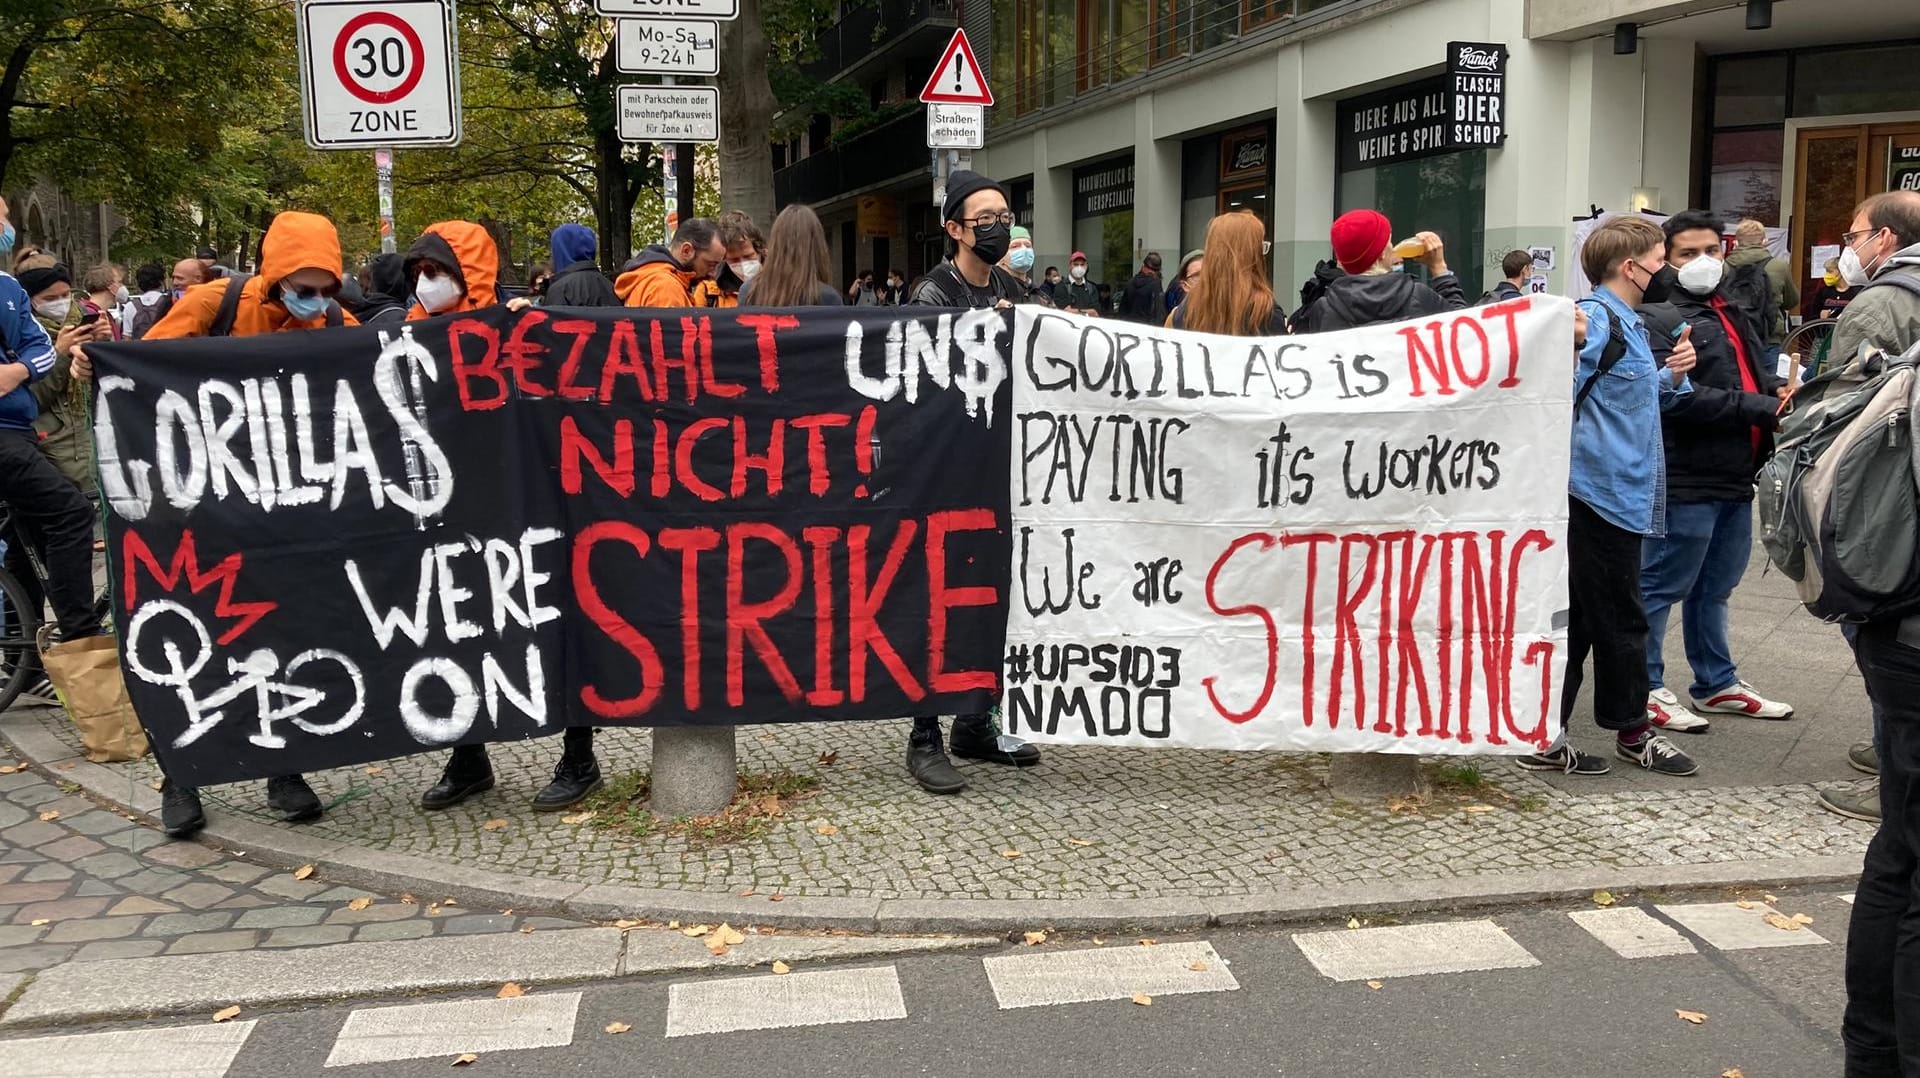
<point x="663" y="275"/>
<point x="299" y="277"/>
<point x="745" y="248"/>
<point x="453" y="267"/>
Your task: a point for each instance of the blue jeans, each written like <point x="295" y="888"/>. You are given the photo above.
<point x="1697" y="564"/>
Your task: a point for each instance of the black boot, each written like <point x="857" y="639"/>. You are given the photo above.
<point x="293" y="799"/>
<point x="975" y="737"/>
<point x="468" y="772"/>
<point x="573" y="779"/>
<point x="180" y="813"/>
<point x="928" y="762"/>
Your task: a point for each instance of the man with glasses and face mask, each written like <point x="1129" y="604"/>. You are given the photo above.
<point x="1880" y="260"/>
<point x="1715" y="440"/>
<point x="979" y="231"/>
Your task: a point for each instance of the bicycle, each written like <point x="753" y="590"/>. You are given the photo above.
<point x="21" y="623"/>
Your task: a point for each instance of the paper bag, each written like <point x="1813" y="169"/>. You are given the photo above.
<point x="86" y="674"/>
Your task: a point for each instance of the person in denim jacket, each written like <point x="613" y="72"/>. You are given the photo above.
<point x="1617" y="495"/>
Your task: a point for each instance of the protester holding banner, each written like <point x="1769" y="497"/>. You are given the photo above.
<point x="1371" y="291"/>
<point x="453" y="267"/>
<point x="1617" y="491"/>
<point x="299" y="277"/>
<point x="1716" y="438"/>
<point x="1237" y="298"/>
<point x="979" y="226"/>
<point x="798" y="265"/>
<point x="663" y="275"/>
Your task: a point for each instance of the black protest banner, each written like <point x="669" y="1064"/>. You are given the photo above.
<point x="347" y="545"/>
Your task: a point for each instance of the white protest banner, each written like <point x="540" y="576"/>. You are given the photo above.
<point x="1350" y="542"/>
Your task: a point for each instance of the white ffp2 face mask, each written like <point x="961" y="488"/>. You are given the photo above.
<point x="1852" y="270"/>
<point x="55" y="310"/>
<point x="1702" y="275"/>
<point x="436" y="294"/>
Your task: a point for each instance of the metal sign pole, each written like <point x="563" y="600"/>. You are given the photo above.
<point x="383" y="174"/>
<point x="670" y="180"/>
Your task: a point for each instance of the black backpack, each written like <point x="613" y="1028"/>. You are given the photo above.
<point x="222" y="324"/>
<point x="1748" y="288"/>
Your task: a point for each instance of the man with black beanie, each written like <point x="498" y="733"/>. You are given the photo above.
<point x="979" y="227"/>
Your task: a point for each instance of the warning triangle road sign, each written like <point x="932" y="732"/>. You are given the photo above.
<point x="956" y="78"/>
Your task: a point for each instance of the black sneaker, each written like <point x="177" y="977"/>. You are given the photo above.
<point x="1567" y="760"/>
<point x="1659" y="756"/>
<point x="293" y="799"/>
<point x="180" y="811"/>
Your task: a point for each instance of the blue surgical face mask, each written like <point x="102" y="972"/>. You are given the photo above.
<point x="1021" y="259"/>
<point x="7" y="236"/>
<point x="303" y="309"/>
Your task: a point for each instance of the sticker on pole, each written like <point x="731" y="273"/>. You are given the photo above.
<point x="956" y="78"/>
<point x="669" y="114"/>
<point x="379" y="74"/>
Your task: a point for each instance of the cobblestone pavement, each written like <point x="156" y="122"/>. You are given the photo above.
<point x="81" y="883"/>
<point x="1116" y="823"/>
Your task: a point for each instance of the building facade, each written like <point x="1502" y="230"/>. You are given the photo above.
<point x="1123" y="126"/>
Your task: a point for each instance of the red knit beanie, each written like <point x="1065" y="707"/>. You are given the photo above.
<point x="1359" y="238"/>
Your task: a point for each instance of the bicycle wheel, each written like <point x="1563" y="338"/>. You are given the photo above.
<point x="19" y="628"/>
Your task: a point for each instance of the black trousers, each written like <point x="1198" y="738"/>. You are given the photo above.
<point x="52" y="511"/>
<point x="1881" y="1030"/>
<point x="1605" y="618"/>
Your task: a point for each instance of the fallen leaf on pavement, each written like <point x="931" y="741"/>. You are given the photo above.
<point x="1198" y="967"/>
<point x="1035" y="939"/>
<point x="715" y="947"/>
<point x="770" y="806"/>
<point x="494" y="825"/>
<point x="1078" y="842"/>
<point x="1784" y="924"/>
<point x="303" y="872"/>
<point x="617" y="1027"/>
<point x="729" y="935"/>
<point x="1801" y="918"/>
<point x="1098" y="942"/>
<point x="826" y="829"/>
<point x="748" y="893"/>
<point x="1148" y="942"/>
<point x="1744" y="904"/>
<point x="448" y="902"/>
<point x="526" y="930"/>
<point x="510" y="990"/>
<point x="1353" y="922"/>
<point x="12" y="769"/>
<point x="1603" y="898"/>
<point x="1478" y="808"/>
<point x="1011" y="854"/>
<point x="578" y="817"/>
<point x="696" y="931"/>
<point x="633" y="924"/>
<point x="829" y="757"/>
<point x="158" y="784"/>
<point x="1375" y="985"/>
<point x="670" y="924"/>
<point x="50" y="815"/>
<point x="782" y="967"/>
<point x="376" y="770"/>
<point x="1143" y="999"/>
<point x="776" y="897"/>
<point x="1772" y="899"/>
<point x="38" y="921"/>
<point x="409" y="900"/>
<point x="360" y="903"/>
<point x="1733" y="1072"/>
<point x="465" y="1059"/>
<point x="227" y="1014"/>
<point x="1693" y="1017"/>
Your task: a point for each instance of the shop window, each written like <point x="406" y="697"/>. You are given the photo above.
<point x="1750" y="90"/>
<point x="1840" y="82"/>
<point x="1744" y="173"/>
<point x="1446" y="194"/>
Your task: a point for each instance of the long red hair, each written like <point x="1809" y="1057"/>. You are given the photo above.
<point x="1233" y="295"/>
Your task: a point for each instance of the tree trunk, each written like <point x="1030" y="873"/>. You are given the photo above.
<point x="746" y="114"/>
<point x="611" y="205"/>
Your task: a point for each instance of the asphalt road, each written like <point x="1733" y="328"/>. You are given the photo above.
<point x="1582" y="1010"/>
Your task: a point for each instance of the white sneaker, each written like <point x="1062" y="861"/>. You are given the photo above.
<point x="1740" y="699"/>
<point x="1665" y="713"/>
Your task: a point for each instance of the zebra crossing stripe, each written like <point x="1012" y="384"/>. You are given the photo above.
<point x="1363" y="954"/>
<point x="203" y="1051"/>
<point x="480" y="1026"/>
<point x="1047" y="979"/>
<point x="781" y="1001"/>
<point x="1632" y="933"/>
<point x="1727" y="927"/>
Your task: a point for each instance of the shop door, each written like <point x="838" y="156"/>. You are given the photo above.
<point x="1835" y="168"/>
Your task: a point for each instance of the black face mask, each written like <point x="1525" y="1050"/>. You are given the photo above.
<point x="1660" y="286"/>
<point x="990" y="242"/>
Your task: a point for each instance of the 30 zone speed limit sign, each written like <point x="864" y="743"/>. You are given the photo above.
<point x="379" y="74"/>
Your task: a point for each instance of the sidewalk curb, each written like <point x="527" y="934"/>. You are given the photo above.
<point x="380" y="870"/>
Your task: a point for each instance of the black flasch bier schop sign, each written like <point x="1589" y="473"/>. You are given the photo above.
<point x="1463" y="108"/>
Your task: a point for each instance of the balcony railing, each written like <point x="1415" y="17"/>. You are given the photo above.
<point x="867" y="31"/>
<point x="886" y="152"/>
